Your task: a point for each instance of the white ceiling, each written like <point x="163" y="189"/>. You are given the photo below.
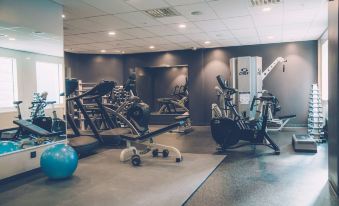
<point x="222" y="22"/>
<point x="32" y="26"/>
<point x="27" y="39"/>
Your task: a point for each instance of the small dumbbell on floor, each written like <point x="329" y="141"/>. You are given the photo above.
<point x="165" y="153"/>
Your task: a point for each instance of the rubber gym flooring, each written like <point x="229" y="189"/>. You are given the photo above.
<point x="260" y="178"/>
<point x="248" y="177"/>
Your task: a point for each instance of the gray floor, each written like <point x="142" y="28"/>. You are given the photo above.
<point x="102" y="179"/>
<point x="257" y="178"/>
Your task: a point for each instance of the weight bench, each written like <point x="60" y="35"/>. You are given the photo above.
<point x="281" y="121"/>
<point x="133" y="154"/>
<point x="38" y="131"/>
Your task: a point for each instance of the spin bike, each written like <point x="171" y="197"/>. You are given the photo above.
<point x="228" y="130"/>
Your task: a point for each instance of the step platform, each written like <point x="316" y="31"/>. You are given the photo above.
<point x="304" y="143"/>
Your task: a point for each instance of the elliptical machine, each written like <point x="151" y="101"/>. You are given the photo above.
<point x="228" y="127"/>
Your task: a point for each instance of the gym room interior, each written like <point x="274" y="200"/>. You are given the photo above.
<point x="169" y="102"/>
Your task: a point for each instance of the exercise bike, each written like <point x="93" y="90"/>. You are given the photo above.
<point x="58" y="125"/>
<point x="177" y="105"/>
<point x="228" y="127"/>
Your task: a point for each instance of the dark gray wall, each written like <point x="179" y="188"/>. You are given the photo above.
<point x="94" y="68"/>
<point x="333" y="95"/>
<point x="292" y="87"/>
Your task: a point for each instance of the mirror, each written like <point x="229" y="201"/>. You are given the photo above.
<point x="165" y="89"/>
<point x="31" y="75"/>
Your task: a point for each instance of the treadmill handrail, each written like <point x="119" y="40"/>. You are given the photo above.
<point x="97" y="90"/>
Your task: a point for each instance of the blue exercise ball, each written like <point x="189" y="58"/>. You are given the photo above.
<point x="8" y="146"/>
<point x="59" y="161"/>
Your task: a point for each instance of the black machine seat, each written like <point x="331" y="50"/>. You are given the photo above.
<point x="17" y="102"/>
<point x="267" y="98"/>
<point x="83" y="145"/>
<point x="29" y="126"/>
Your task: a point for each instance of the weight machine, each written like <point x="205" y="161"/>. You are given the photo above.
<point x="247" y="77"/>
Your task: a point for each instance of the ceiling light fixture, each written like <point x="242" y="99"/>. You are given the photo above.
<point x="63" y="16"/>
<point x="28" y="58"/>
<point x="207" y="42"/>
<point x="151" y="47"/>
<point x="11" y="39"/>
<point x="196" y="13"/>
<point x="270" y="37"/>
<point x="103" y="51"/>
<point x="266" y="9"/>
<point x="111" y="33"/>
<point x="182" y="26"/>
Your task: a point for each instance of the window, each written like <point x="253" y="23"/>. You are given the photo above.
<point x="324" y="70"/>
<point x="49" y="78"/>
<point x="8" y="82"/>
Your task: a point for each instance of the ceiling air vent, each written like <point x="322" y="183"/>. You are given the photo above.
<point x="163" y="12"/>
<point x="256" y="3"/>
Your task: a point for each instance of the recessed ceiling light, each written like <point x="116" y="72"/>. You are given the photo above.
<point x="196" y="13"/>
<point x="111" y="33"/>
<point x="266" y="9"/>
<point x="182" y="26"/>
<point x="103" y="51"/>
<point x="38" y="32"/>
<point x="270" y="37"/>
<point x="11" y="39"/>
<point x="63" y="16"/>
<point x="207" y="42"/>
<point x="28" y="58"/>
<point x="151" y="47"/>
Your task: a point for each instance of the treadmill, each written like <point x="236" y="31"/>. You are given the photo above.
<point x="111" y="135"/>
<point x="82" y="144"/>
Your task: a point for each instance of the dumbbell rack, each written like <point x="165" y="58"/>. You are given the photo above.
<point x="315" y="116"/>
<point x="119" y="94"/>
